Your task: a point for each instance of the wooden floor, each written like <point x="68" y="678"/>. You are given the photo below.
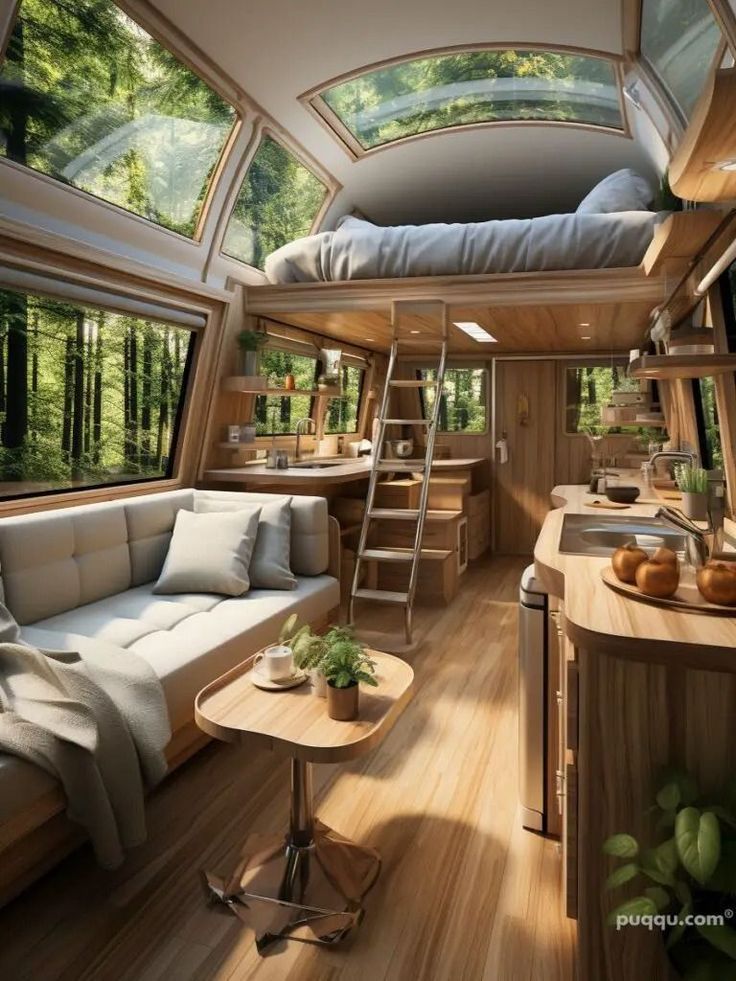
<point x="465" y="893"/>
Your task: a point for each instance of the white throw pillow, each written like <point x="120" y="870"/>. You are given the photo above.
<point x="270" y="564"/>
<point x="210" y="553"/>
<point x="624" y="190"/>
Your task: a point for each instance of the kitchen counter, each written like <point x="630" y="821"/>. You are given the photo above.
<point x="341" y="473"/>
<point x="597" y="618"/>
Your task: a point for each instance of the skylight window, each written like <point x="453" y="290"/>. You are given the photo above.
<point x="463" y="88"/>
<point x="474" y="330"/>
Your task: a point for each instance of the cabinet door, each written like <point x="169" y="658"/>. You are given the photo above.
<point x="555" y="743"/>
<point x="569" y="729"/>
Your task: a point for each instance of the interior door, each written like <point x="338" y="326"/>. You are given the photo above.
<point x="526" y="412"/>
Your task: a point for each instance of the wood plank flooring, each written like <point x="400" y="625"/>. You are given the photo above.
<point x="465" y="894"/>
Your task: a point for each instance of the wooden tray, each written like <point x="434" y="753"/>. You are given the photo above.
<point x="688" y="598"/>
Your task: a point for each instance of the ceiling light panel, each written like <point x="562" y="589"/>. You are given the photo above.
<point x="474" y="330"/>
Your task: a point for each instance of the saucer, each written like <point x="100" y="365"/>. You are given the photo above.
<point x="261" y="681"/>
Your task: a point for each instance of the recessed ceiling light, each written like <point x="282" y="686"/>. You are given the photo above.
<point x="585" y="337"/>
<point x="370" y="338"/>
<point x="475" y="331"/>
<point x="584" y="325"/>
<point x="415" y="331"/>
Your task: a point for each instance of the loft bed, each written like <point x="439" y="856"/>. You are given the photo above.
<point x="525" y="311"/>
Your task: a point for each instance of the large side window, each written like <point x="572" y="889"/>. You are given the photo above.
<point x="91" y="99"/>
<point x="679" y="40"/>
<point x="87" y="397"/>
<point x="277" y="414"/>
<point x="278" y="202"/>
<point x="463" y="402"/>
<point x="589" y="389"/>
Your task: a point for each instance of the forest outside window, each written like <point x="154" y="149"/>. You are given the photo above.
<point x="278" y="202"/>
<point x="679" y="40"/>
<point x="589" y="389"/>
<point x="461" y="88"/>
<point x="276" y="414"/>
<point x="89" y="98"/>
<point x="464" y="399"/>
<point x="342" y="412"/>
<point x="87" y="397"/>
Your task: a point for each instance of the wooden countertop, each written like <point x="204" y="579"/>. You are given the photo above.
<point x="340" y="474"/>
<point x="598" y="619"/>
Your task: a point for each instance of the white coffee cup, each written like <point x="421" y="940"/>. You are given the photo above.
<point x="275" y="663"/>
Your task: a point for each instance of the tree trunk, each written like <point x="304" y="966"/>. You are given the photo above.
<point x="89" y="370"/>
<point x="126" y="397"/>
<point x="66" y="430"/>
<point x="17" y="131"/>
<point x="134" y="454"/>
<point x="146" y="395"/>
<point x="16" y="408"/>
<point x="2" y="371"/>
<point x="78" y="415"/>
<point x="34" y="379"/>
<point x="97" y="395"/>
<point x="163" y="402"/>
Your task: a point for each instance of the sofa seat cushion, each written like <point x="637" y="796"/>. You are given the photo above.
<point x="189" y="640"/>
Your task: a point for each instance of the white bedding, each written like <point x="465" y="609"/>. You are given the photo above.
<point x="361" y="250"/>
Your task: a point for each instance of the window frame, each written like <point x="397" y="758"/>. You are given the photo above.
<point x="132" y="11"/>
<point x="262" y="130"/>
<point x="452" y="365"/>
<point x="172" y="475"/>
<point x="619" y="361"/>
<point x="313" y="100"/>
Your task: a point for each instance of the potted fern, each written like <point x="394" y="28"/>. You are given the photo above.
<point x="308" y="649"/>
<point x="693" y="484"/>
<point x="689" y="876"/>
<point x="345" y="664"/>
<point x="250" y="343"/>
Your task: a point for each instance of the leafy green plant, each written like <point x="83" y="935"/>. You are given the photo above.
<point x="691" y="480"/>
<point x="692" y="873"/>
<point x="345" y="661"/>
<point x="308" y="648"/>
<point x="251" y="340"/>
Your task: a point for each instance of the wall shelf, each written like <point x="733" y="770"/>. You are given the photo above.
<point x="244" y="385"/>
<point x="670" y="366"/>
<point x="224" y="445"/>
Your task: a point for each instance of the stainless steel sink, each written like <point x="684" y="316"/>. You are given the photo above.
<point x="584" y="534"/>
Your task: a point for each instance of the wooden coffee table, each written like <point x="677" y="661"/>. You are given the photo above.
<point x="309" y="884"/>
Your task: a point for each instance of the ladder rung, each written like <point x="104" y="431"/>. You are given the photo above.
<point x="382" y="596"/>
<point x="402" y="554"/>
<point x="394" y="514"/>
<point x="401" y="466"/>
<point x="413" y="383"/>
<point x="407" y="422"/>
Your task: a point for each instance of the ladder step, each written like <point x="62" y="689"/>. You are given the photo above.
<point x="394" y="514"/>
<point x="413" y="383"/>
<point x="402" y="554"/>
<point x="382" y="596"/>
<point x="401" y="466"/>
<point x="407" y="422"/>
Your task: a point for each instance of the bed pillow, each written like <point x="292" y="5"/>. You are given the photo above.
<point x="624" y="190"/>
<point x="210" y="553"/>
<point x="270" y="564"/>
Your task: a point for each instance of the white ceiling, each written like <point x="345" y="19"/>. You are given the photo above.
<point x="279" y="49"/>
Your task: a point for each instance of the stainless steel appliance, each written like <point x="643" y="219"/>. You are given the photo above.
<point x="533" y="680"/>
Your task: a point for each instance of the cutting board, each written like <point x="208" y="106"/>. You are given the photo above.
<point x="607" y="505"/>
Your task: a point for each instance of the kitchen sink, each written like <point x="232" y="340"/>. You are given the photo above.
<point x="583" y="534"/>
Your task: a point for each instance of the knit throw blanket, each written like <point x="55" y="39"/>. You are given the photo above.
<point x="96" y="720"/>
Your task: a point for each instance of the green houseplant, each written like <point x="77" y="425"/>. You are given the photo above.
<point x="691" y="878"/>
<point x="345" y="664"/>
<point x="250" y="343"/>
<point x="693" y="483"/>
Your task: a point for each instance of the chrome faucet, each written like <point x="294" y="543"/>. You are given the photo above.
<point x="311" y="429"/>
<point x="677" y="456"/>
<point x="700" y="542"/>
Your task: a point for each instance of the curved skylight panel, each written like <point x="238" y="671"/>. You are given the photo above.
<point x="478" y="86"/>
<point x="278" y="202"/>
<point x="679" y="39"/>
<point x="91" y="99"/>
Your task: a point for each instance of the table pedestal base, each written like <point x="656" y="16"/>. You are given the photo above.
<point x="308" y="886"/>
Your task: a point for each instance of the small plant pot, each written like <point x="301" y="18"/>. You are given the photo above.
<point x="695" y="506"/>
<point x="319" y="683"/>
<point x="342" y="703"/>
<point x="250" y="363"/>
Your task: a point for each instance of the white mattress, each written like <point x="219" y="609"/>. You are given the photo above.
<point x="361" y="250"/>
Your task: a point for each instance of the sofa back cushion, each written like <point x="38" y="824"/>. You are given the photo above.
<point x="58" y="560"/>
<point x="55" y="561"/>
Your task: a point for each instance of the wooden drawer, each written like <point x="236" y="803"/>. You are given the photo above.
<point x="448" y="493"/>
<point x="398" y="494"/>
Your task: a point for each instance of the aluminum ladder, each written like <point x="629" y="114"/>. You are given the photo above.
<point x="382" y="466"/>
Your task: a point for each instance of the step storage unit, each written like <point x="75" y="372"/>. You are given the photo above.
<point x="402" y="493"/>
<point x="479" y="524"/>
<point x="438" y="580"/>
<point x="450" y="492"/>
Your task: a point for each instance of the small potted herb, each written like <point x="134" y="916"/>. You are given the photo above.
<point x="250" y="343"/>
<point x="308" y="649"/>
<point x="693" y="484"/>
<point x="345" y="665"/>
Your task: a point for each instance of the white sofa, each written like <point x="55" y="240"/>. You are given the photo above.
<point x="88" y="572"/>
